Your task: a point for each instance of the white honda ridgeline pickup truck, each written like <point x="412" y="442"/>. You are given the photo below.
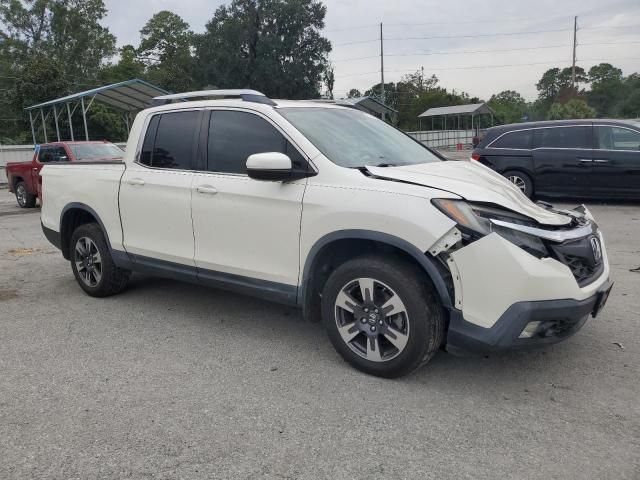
<point x="397" y="250"/>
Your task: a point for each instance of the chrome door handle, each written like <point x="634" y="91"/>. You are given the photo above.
<point x="585" y="160"/>
<point x="206" y="189"/>
<point x="601" y="161"/>
<point x="135" y="181"/>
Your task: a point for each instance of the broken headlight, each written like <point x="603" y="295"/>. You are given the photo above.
<point x="474" y="221"/>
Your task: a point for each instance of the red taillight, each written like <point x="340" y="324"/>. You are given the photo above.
<point x="475" y="156"/>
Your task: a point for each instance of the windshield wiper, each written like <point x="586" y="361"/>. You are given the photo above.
<point x="386" y="165"/>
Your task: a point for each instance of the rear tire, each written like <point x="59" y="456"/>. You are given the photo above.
<point x="520" y="180"/>
<point x="23" y="197"/>
<point x="382" y="316"/>
<point x="92" y="264"/>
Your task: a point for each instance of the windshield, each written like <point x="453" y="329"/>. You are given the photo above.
<point x="351" y="138"/>
<point x="92" y="151"/>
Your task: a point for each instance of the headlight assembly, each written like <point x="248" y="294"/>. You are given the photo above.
<point x="475" y="221"/>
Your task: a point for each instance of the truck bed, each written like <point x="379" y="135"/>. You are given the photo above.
<point x="93" y="184"/>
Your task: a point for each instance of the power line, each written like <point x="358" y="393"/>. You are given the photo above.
<point x="451" y="22"/>
<point x="481" y="35"/>
<point x="478" y="21"/>
<point x="498" y="50"/>
<point x="476" y="67"/>
<point x="505" y="34"/>
<point x="452" y="52"/>
<point x="615" y="27"/>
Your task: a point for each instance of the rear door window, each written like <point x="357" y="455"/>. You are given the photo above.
<point x="519" y="139"/>
<point x="171" y="140"/>
<point x="564" y="137"/>
<point x="149" y="140"/>
<point x="616" y="138"/>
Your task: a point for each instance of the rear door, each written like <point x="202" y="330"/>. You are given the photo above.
<point x="616" y="161"/>
<point x="155" y="191"/>
<point x="563" y="160"/>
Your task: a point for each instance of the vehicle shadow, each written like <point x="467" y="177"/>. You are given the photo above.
<point x="284" y="328"/>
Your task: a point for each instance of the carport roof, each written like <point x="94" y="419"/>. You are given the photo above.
<point x="130" y="95"/>
<point x="472" y="108"/>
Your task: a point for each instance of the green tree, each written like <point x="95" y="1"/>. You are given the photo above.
<point x="107" y="124"/>
<point x="509" y="106"/>
<point x="573" y="109"/>
<point x="272" y="46"/>
<point x="166" y="48"/>
<point x="629" y="104"/>
<point x="48" y="48"/>
<point x="555" y="85"/>
<point x="329" y="80"/>
<point x="390" y="93"/>
<point x="68" y="31"/>
<point x="127" y="68"/>
<point x="607" y="89"/>
<point x="354" y="93"/>
<point x="414" y="94"/>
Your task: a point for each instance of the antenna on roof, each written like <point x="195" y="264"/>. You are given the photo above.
<point x="244" y="94"/>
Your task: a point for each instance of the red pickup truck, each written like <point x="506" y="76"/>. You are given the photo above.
<point x="24" y="177"/>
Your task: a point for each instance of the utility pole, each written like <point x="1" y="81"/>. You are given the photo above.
<point x="381" y="65"/>
<point x="575" y="44"/>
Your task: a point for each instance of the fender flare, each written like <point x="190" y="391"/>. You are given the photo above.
<point x="421" y="258"/>
<point x="88" y="209"/>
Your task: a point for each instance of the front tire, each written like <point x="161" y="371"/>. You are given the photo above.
<point x="381" y="315"/>
<point x="23" y="197"/>
<point x="92" y="264"/>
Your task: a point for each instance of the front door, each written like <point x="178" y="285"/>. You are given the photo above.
<point x="616" y="162"/>
<point x="243" y="227"/>
<point x="155" y="191"/>
<point x="562" y="160"/>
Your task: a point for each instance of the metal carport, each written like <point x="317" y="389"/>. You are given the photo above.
<point x="456" y="111"/>
<point x="128" y="96"/>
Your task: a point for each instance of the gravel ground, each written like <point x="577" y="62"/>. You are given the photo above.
<point x="170" y="380"/>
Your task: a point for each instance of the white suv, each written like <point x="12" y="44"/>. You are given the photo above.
<point x="397" y="250"/>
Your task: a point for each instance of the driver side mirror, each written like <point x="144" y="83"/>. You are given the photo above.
<point x="271" y="166"/>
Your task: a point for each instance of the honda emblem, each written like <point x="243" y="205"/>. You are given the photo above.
<point x="597" y="250"/>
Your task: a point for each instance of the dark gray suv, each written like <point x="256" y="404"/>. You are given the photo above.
<point x="567" y="158"/>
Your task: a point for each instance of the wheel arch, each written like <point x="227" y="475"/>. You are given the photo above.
<point x="334" y="248"/>
<point x="73" y="215"/>
<point x="519" y="169"/>
<point x="15" y="179"/>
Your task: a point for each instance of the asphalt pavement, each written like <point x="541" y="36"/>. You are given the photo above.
<point x="174" y="381"/>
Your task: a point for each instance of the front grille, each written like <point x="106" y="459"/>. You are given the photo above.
<point x="578" y="255"/>
<point x="581" y="269"/>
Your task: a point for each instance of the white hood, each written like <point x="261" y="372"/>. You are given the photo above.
<point x="473" y="182"/>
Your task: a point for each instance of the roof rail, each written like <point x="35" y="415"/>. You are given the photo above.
<point x="244" y="94"/>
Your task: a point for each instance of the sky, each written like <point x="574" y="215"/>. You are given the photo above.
<point x="480" y="47"/>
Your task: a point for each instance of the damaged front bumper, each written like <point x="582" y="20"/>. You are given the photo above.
<point x="525" y="325"/>
<point x="506" y="297"/>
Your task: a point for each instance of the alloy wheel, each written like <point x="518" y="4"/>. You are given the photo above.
<point x="372" y="319"/>
<point x="21" y="195"/>
<point x="518" y="182"/>
<point x="88" y="261"/>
